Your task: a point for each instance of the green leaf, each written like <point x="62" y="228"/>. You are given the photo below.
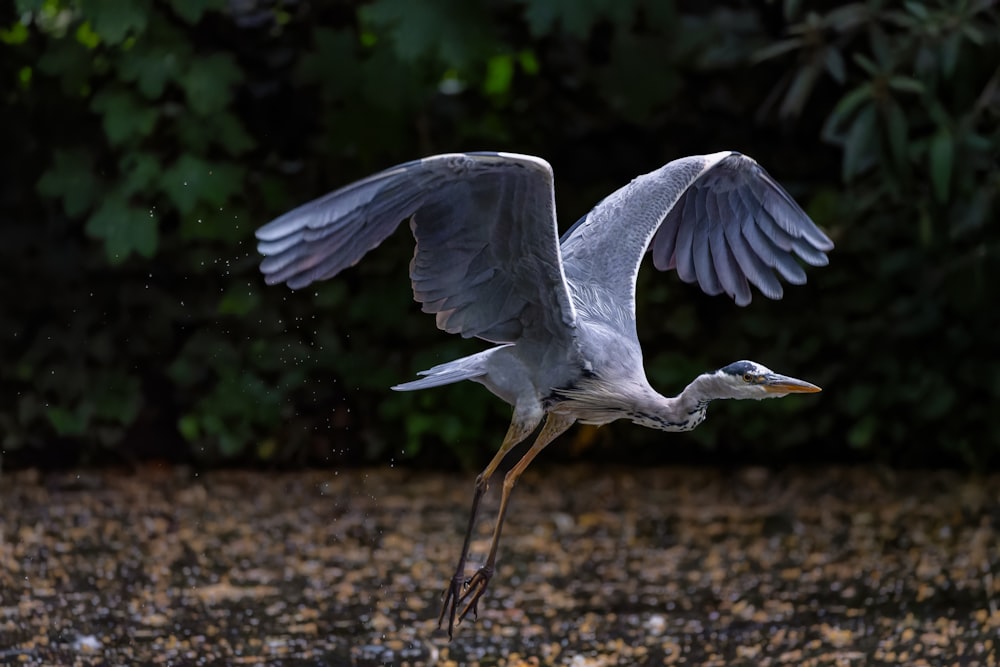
<point x="123" y="228"/>
<point x="866" y="64"/>
<point x="140" y="171"/>
<point x="67" y="422"/>
<point x="215" y="224"/>
<point x="87" y="37"/>
<point x="229" y="133"/>
<point x="973" y="34"/>
<point x="71" y="178"/>
<point x="113" y="20"/>
<point x="845" y="108"/>
<point x="209" y="81"/>
<point x="192" y="10"/>
<point x="191" y="180"/>
<point x="576" y="17"/>
<point x="123" y="117"/>
<point x="330" y="46"/>
<point x="918" y="9"/>
<point x="859" y="144"/>
<point x="900" y="19"/>
<point x="977" y="142"/>
<point x="203" y="352"/>
<point x="222" y="129"/>
<point x="499" y="74"/>
<point x="528" y="62"/>
<point x="846" y="18"/>
<point x="880" y="47"/>
<point x="862" y="433"/>
<point x="151" y="67"/>
<point x="189" y="427"/>
<point x="834" y="62"/>
<point x="799" y="90"/>
<point x="776" y="49"/>
<point x="941" y="156"/>
<point x="938" y="112"/>
<point x="897" y="129"/>
<point x="71" y="62"/>
<point x="238" y="300"/>
<point x="456" y="32"/>
<point x="267" y="449"/>
<point x="116" y="397"/>
<point x="972" y="214"/>
<point x="16" y="34"/>
<point x="906" y="84"/>
<point x="925" y="227"/>
<point x="790" y="9"/>
<point x="229" y="444"/>
<point x="951" y="47"/>
<point x="29" y="6"/>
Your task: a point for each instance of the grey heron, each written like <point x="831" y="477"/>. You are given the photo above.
<point x="489" y="263"/>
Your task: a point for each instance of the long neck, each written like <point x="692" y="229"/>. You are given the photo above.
<point x="594" y="401"/>
<point x="680" y="413"/>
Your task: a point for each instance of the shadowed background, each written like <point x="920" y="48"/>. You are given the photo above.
<point x="144" y="142"/>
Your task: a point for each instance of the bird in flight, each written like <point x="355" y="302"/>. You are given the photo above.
<point x="489" y="263"/>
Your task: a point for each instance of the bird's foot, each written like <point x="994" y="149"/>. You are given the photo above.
<point x="474" y="588"/>
<point x="452" y="597"/>
<point x="461" y="590"/>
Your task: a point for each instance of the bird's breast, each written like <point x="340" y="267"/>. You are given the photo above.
<point x="675" y="423"/>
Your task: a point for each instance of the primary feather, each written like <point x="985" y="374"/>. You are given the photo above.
<point x="488" y="262"/>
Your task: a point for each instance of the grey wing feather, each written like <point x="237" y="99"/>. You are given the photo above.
<point x="320" y="239"/>
<point x="466" y="368"/>
<point x="683" y="238"/>
<point x="719" y="219"/>
<point x="762" y="229"/>
<point x="486" y="260"/>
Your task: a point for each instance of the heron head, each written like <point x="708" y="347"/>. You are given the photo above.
<point x="748" y="379"/>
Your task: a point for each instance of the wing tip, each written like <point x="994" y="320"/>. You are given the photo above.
<point x="742" y="300"/>
<point x="269" y="231"/>
<point x="824" y="243"/>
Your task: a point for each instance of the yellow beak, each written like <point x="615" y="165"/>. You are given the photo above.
<point x="788" y="385"/>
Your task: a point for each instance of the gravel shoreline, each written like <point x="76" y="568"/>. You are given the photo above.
<point x="621" y="566"/>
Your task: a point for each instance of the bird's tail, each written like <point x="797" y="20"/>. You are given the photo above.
<point x="466" y="368"/>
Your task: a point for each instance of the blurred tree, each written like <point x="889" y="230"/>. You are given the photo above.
<point x="145" y="142"/>
<point x="917" y="123"/>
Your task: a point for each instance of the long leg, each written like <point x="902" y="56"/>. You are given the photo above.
<point x="476" y="586"/>
<point x="520" y="428"/>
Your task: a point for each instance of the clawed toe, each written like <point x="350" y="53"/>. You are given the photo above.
<point x="467" y="591"/>
<point x="452" y="597"/>
<point x="473" y="590"/>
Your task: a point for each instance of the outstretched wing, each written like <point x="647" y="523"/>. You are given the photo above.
<point x="719" y="219"/>
<point x="486" y="260"/>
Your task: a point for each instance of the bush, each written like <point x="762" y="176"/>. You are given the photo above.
<point x="151" y="139"/>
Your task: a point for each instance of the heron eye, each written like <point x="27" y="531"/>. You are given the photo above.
<point x="747" y="377"/>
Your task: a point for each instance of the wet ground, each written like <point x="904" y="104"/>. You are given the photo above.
<point x="598" y="567"/>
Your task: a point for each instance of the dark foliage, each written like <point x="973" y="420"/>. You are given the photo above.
<point x="145" y="141"/>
